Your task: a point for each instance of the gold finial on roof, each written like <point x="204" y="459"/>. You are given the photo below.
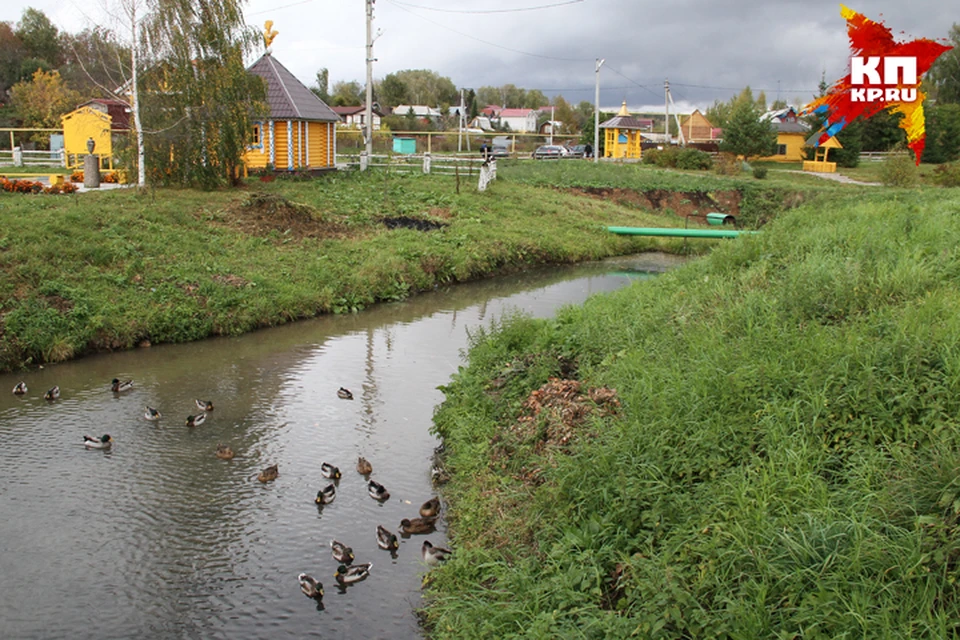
<point x="623" y="110"/>
<point x="268" y="33"/>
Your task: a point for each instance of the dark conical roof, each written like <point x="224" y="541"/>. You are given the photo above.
<point x="287" y="97"/>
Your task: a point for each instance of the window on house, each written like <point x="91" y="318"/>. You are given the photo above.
<point x="256" y="135"/>
<point x="781" y="149"/>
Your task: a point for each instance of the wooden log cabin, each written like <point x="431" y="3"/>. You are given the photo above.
<point x="299" y="132"/>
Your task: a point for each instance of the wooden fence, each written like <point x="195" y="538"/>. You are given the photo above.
<point x="21" y="158"/>
<point x="448" y="165"/>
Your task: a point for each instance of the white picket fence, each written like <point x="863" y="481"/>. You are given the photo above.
<point x="464" y="166"/>
<point x="18" y="157"/>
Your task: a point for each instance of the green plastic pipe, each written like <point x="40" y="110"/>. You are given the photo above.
<point x="677" y="233"/>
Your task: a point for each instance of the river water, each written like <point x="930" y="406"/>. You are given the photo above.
<point x="157" y="537"/>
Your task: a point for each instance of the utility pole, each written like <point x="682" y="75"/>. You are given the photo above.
<point x="666" y="110"/>
<point x="368" y="133"/>
<point x="596" y="115"/>
<point x="460" y="125"/>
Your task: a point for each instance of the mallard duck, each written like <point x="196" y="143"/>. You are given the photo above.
<point x="103" y="442"/>
<point x="326" y="496"/>
<point x="344" y="393"/>
<point x="386" y="539"/>
<point x="330" y="471"/>
<point x="52" y="394"/>
<point x="269" y="474"/>
<point x="430" y="508"/>
<point x="418" y="525"/>
<point x="348" y="575"/>
<point x="151" y="414"/>
<point x="363" y="466"/>
<point x="341" y="552"/>
<point x="197" y="420"/>
<point x="377" y="491"/>
<point x="116" y="386"/>
<point x="204" y="405"/>
<point x="434" y="555"/>
<point x="20" y="389"/>
<point x="224" y="452"/>
<point x="310" y="587"/>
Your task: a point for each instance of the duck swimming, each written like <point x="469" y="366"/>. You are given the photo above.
<point x="310" y="587"/>
<point x="348" y="575"/>
<point x="103" y="442"/>
<point x="418" y="525"/>
<point x="430" y="508"/>
<point x="386" y="539"/>
<point x="52" y="394"/>
<point x="197" y="420"/>
<point x="363" y="466"/>
<point x="205" y="405"/>
<point x="434" y="556"/>
<point x="151" y="414"/>
<point x="345" y="394"/>
<point x="20" y="389"/>
<point x="330" y="471"/>
<point x="269" y="474"/>
<point x="224" y="452"/>
<point x="377" y="491"/>
<point x="117" y="387"/>
<point x="326" y="496"/>
<point x="341" y="552"/>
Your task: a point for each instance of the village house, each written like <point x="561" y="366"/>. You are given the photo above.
<point x="299" y="130"/>
<point x="355" y="117"/>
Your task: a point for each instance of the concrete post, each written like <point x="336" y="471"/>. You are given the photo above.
<point x="426" y="163"/>
<point x="91" y="171"/>
<point x="17" y="157"/>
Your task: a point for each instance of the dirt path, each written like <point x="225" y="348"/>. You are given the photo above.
<point x="836" y="177"/>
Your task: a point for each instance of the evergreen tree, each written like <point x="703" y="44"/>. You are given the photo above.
<point x="745" y="134"/>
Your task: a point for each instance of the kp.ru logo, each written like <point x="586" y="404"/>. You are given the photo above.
<point x="897" y="71"/>
<point x="884" y="74"/>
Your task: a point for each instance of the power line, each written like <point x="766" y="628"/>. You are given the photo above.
<point x="486" y="42"/>
<point x="483" y="11"/>
<point x="286" y="6"/>
<point x="645" y="88"/>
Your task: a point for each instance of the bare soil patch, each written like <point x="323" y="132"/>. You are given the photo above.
<point x="262" y="214"/>
<point x="691" y="204"/>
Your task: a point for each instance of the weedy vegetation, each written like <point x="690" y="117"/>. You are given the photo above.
<point x="763" y="443"/>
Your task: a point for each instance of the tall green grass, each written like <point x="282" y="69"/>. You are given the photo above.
<point x="785" y="463"/>
<point x="110" y="270"/>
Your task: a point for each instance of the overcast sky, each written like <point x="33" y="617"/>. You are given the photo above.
<point x="707" y="49"/>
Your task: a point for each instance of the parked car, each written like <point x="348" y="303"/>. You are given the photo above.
<point x="576" y="151"/>
<point x="500" y="152"/>
<point x="549" y="151"/>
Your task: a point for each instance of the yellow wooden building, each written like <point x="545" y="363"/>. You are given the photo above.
<point x="299" y="132"/>
<point x="97" y="119"/>
<point x="820" y="164"/>
<point x="791" y="135"/>
<point x="622" y="135"/>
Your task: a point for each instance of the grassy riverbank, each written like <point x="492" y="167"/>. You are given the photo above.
<point x="117" y="269"/>
<point x="779" y="459"/>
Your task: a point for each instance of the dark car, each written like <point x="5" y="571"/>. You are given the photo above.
<point x="577" y="151"/>
<point x="549" y="151"/>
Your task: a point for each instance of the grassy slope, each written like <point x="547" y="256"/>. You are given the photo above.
<point x="785" y="463"/>
<point x="111" y="269"/>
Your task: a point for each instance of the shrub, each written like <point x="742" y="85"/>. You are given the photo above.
<point x="899" y="171"/>
<point x="760" y="173"/>
<point x="727" y="164"/>
<point x="947" y="175"/>
<point x="694" y="160"/>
